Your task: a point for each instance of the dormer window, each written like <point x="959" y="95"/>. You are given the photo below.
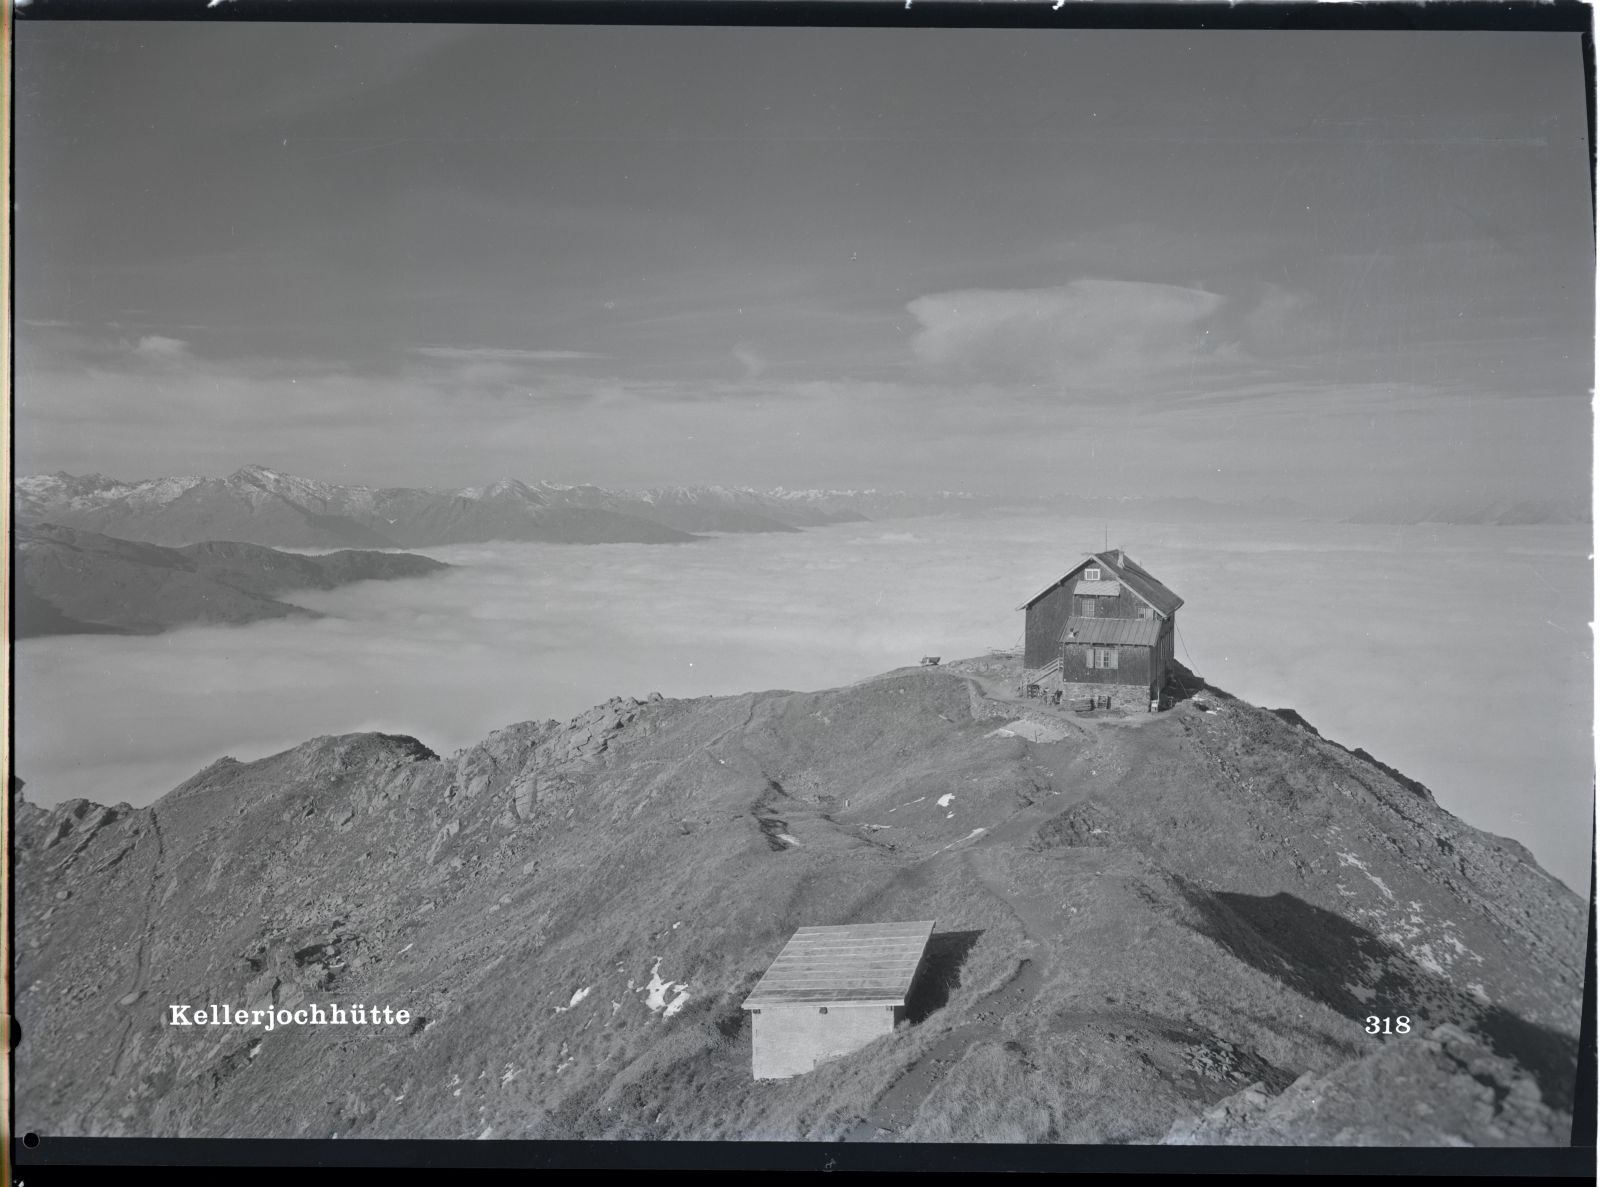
<point x="1091" y="574"/>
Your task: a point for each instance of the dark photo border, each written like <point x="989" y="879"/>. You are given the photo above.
<point x="45" y="1159"/>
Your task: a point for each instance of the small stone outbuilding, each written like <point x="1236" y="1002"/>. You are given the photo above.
<point x="832" y="990"/>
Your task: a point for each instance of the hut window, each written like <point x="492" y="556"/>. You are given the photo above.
<point x="1144" y="611"/>
<point x="1087" y="606"/>
<point x="1102" y="657"/>
<point x="1091" y="574"/>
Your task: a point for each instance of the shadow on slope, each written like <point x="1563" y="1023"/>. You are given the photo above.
<point x="1331" y="960"/>
<point x="940" y="974"/>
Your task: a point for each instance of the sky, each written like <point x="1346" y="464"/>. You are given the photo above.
<point x="1339" y="267"/>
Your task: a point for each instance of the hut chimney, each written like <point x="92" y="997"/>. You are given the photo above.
<point x="1118" y="555"/>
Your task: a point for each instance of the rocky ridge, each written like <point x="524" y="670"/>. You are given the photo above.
<point x="1170" y="927"/>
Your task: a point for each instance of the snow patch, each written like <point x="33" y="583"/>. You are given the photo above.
<point x="944" y="800"/>
<point x="576" y="998"/>
<point x="1350" y="859"/>
<point x="1423" y="955"/>
<point x="974" y="834"/>
<point x="656" y="992"/>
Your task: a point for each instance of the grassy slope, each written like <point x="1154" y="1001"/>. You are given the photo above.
<point x="1158" y="915"/>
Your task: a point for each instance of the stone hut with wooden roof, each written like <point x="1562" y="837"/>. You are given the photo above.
<point x="1104" y="632"/>
<point x="832" y="990"/>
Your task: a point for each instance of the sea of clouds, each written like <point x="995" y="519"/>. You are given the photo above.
<point x="1461" y="656"/>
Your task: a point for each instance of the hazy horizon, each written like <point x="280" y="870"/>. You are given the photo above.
<point x="1292" y="507"/>
<point x="1338" y="267"/>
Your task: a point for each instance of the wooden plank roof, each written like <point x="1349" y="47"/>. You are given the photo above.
<point x="1108" y="632"/>
<point x="1162" y="599"/>
<point x="858" y="963"/>
<point x="1145" y="587"/>
<point x="1097" y="589"/>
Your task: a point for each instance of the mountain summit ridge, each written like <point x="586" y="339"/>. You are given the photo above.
<point x="260" y="505"/>
<point x="1151" y="928"/>
<point x="70" y="581"/>
<point x="263" y="505"/>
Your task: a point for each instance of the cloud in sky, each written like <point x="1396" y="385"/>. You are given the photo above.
<point x="1122" y="222"/>
<point x="751" y="359"/>
<point x="1089" y="333"/>
<point x="473" y="354"/>
<point x="1278" y="319"/>
<point x="156" y="346"/>
<point x="97" y="404"/>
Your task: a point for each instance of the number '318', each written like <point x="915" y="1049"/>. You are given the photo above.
<point x="1388" y="1026"/>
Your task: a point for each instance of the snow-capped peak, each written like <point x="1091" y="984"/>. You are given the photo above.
<point x="499" y="489"/>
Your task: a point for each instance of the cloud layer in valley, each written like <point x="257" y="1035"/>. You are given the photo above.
<point x="1497" y="724"/>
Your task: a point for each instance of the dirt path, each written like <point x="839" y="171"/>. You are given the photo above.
<point x="896" y="1108"/>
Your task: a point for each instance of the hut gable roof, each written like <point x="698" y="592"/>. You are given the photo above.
<point x="866" y="963"/>
<point x="1145" y="587"/>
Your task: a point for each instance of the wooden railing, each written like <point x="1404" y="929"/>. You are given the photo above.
<point x="1040" y="675"/>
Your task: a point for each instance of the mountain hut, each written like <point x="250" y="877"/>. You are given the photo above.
<point x="1104" y="632"/>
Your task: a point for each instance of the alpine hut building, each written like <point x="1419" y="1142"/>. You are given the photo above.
<point x="832" y="990"/>
<point x="1103" y="633"/>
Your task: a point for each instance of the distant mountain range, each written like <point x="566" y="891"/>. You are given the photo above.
<point x="75" y="582"/>
<point x="1507" y="512"/>
<point x="261" y="506"/>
